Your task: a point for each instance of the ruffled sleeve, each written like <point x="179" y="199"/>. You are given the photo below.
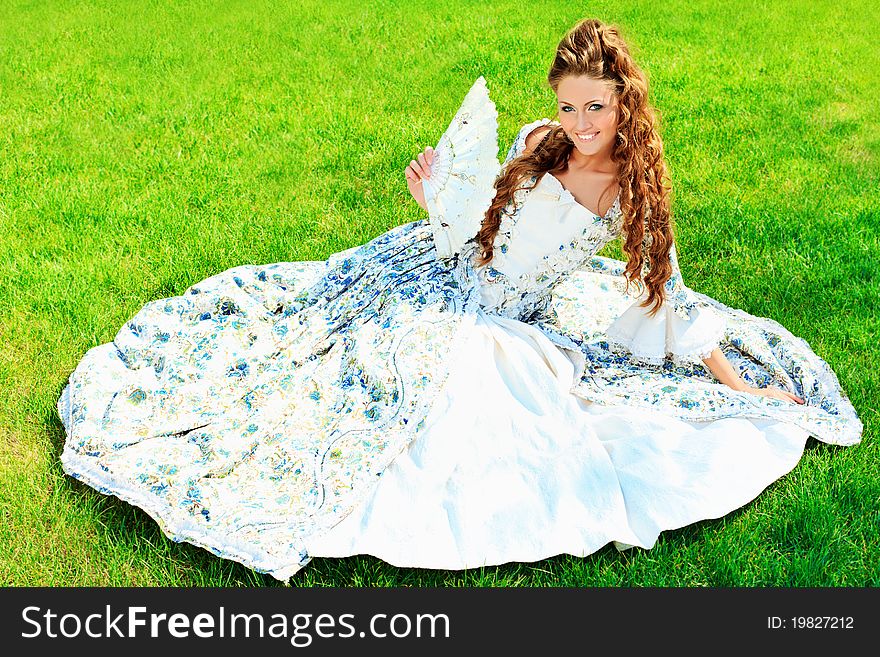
<point x="684" y="327"/>
<point x="519" y="143"/>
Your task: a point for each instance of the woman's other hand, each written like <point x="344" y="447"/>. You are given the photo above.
<point x="775" y="393"/>
<point x="722" y="369"/>
<point x="415" y="172"/>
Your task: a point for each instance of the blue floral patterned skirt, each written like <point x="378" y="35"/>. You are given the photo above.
<point x="265" y="405"/>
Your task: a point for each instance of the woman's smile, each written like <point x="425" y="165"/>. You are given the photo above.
<point x="588" y="114"/>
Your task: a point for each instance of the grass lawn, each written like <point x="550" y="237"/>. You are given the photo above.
<point x="147" y="146"/>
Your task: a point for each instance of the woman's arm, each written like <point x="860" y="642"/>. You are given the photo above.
<point x="689" y="328"/>
<point x="724" y="372"/>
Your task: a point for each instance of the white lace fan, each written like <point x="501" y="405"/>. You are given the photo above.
<point x="462" y="181"/>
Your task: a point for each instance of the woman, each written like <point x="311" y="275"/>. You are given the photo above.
<point x="452" y="412"/>
<point x="592" y="151"/>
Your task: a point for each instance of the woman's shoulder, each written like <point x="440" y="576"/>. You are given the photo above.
<point x="535" y="135"/>
<point x="530" y="135"/>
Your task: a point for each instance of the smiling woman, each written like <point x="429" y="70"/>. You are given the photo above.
<point x="591" y="175"/>
<point x="594" y="122"/>
<point x="447" y="398"/>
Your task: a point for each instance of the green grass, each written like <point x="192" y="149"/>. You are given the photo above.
<point x="146" y="146"/>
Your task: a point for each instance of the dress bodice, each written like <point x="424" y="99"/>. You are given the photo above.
<point x="544" y="234"/>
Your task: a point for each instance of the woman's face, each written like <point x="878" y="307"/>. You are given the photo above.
<point x="588" y="113"/>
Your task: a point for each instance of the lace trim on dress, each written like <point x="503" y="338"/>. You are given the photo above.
<point x="709" y="342"/>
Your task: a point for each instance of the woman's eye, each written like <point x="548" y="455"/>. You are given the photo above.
<point x="596" y="105"/>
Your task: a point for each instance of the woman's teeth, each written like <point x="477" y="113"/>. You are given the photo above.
<point x="588" y="137"/>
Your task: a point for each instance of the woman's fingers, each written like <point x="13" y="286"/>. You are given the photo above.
<point x="426" y="158"/>
<point x="417" y="167"/>
<point x="787" y="396"/>
<point x="778" y="393"/>
<point x="425" y="163"/>
<point x="781" y="394"/>
<point x="784" y="395"/>
<point x="416" y="170"/>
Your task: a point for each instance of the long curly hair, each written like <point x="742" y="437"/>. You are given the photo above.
<point x="597" y="50"/>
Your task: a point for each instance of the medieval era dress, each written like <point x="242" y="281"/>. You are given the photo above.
<point x="395" y="402"/>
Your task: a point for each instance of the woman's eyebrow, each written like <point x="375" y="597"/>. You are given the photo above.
<point x="595" y="100"/>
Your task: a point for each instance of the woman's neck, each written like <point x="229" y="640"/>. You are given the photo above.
<point x="598" y="163"/>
